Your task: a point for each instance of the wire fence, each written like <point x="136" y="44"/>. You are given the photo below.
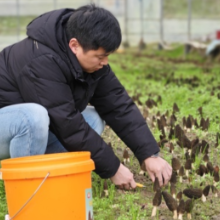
<point x="146" y="20"/>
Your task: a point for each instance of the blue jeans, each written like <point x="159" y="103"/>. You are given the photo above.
<point x="24" y="130"/>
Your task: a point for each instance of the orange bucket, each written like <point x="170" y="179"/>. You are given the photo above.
<point x="49" y="187"/>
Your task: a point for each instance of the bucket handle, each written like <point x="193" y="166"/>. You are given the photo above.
<point x="31" y="196"/>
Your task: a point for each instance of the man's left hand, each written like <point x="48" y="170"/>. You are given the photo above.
<point x="158" y="167"/>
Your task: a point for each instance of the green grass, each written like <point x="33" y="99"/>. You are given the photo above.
<point x="12" y="25"/>
<point x="152" y="77"/>
<point x="169" y="74"/>
<point x="3" y="206"/>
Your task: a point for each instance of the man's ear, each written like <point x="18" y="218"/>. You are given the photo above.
<point x="74" y="45"/>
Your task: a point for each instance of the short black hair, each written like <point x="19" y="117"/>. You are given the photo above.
<point x="94" y="27"/>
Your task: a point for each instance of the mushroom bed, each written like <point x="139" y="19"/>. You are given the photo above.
<point x="179" y="97"/>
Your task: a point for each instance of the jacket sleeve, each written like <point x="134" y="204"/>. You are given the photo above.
<point x="122" y="115"/>
<point x="43" y="82"/>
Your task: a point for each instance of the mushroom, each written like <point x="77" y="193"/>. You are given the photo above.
<point x="206" y="158"/>
<point x="202" y="170"/>
<point x="156" y="186"/>
<point x="179" y="133"/>
<point x="163" y="136"/>
<point x="181" y="209"/>
<point x="179" y="196"/>
<point x="193" y="121"/>
<point x="188" y="208"/>
<point x="195" y="147"/>
<point x="167" y="113"/>
<point x="162" y="142"/>
<point x="181" y="174"/>
<point x="150" y="103"/>
<point x="159" y="99"/>
<point x="173" y="178"/>
<point x="171" y="134"/>
<point x="175" y="108"/>
<point x="204" y="124"/>
<point x="156" y="202"/>
<point x="158" y="115"/>
<point x="205" y="193"/>
<point x="126" y="156"/>
<point x="194" y="142"/>
<point x="173" y="119"/>
<point x="105" y="187"/>
<point x="171" y="146"/>
<point x="187" y="156"/>
<point x="204" y="147"/>
<point x="214" y="191"/>
<point x="188" y="124"/>
<point x="173" y="190"/>
<point x="142" y="171"/>
<point x="171" y="203"/>
<point x="176" y="164"/>
<point x="216" y="175"/>
<point x="146" y="114"/>
<point x="153" y="121"/>
<point x="207" y="124"/>
<point x="163" y="122"/>
<point x="188" y="166"/>
<point x="193" y="159"/>
<point x="210" y="167"/>
<point x="160" y="125"/>
<point x="193" y="193"/>
<point x="217" y="137"/>
<point x="200" y="111"/>
<point x="185" y="143"/>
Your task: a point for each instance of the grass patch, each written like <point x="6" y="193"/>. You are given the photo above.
<point x="13" y="24"/>
<point x="190" y="82"/>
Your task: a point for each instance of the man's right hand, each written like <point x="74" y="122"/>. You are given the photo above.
<point x="124" y="178"/>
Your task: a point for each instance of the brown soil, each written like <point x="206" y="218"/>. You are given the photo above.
<point x="202" y="210"/>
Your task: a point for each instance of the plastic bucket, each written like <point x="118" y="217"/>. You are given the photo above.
<point x="51" y="186"/>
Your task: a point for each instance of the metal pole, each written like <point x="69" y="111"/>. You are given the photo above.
<point x="142" y="19"/>
<point x="161" y="21"/>
<point x="18" y="19"/>
<point x="126" y="44"/>
<point x="126" y="20"/>
<point x="189" y="18"/>
<point x="142" y="44"/>
<point x="187" y="45"/>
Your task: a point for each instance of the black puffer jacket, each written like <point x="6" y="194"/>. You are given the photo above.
<point x="42" y="69"/>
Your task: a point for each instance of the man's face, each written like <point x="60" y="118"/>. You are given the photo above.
<point x="91" y="60"/>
